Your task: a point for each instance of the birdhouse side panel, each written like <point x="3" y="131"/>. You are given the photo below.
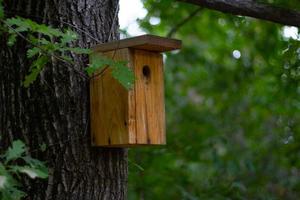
<point x="110" y="108"/>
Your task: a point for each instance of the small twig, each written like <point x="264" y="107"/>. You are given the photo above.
<point x="106" y="67"/>
<point x="81" y="30"/>
<point x="136" y="165"/>
<point x="112" y="26"/>
<point x="100" y="73"/>
<point x="87" y="125"/>
<point x="184" y="21"/>
<point x="51" y="89"/>
<point x="83" y="75"/>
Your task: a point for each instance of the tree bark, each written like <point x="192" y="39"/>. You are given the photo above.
<point x="55" y="109"/>
<point x="252" y="8"/>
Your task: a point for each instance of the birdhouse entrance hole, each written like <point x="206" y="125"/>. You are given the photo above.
<point x="146" y="71"/>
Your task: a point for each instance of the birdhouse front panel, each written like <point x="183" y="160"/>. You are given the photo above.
<point x="149" y="97"/>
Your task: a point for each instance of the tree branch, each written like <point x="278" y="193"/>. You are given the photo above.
<point x="184" y="21"/>
<point x="252" y="9"/>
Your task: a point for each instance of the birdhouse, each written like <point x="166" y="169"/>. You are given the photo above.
<point x="135" y="117"/>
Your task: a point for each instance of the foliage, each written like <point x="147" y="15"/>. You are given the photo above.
<point x="1" y="10"/>
<point x="47" y="42"/>
<point x="13" y="163"/>
<point x="119" y="70"/>
<point x="233" y="123"/>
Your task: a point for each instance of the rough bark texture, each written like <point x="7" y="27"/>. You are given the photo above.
<point x="54" y="110"/>
<point x="252" y="9"/>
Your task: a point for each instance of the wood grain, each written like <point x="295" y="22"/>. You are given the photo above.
<point x="149" y="97"/>
<point x="110" y="108"/>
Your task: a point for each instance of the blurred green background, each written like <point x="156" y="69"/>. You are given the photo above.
<point x="232" y="109"/>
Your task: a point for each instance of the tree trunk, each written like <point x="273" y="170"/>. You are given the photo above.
<point x="55" y="109"/>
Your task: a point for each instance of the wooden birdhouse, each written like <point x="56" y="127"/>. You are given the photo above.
<point x="128" y="118"/>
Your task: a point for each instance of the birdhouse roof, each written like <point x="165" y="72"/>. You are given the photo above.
<point x="145" y="42"/>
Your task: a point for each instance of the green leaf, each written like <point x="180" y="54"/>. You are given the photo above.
<point x="3" y="177"/>
<point x="22" y="24"/>
<point x="35" y="69"/>
<point x="47" y="47"/>
<point x="21" y="29"/>
<point x="32" y="52"/>
<point x="47" y="30"/>
<point x="33" y="172"/>
<point x="30" y="78"/>
<point x="2" y="169"/>
<point x="3" y="181"/>
<point x="120" y="71"/>
<point x="123" y="74"/>
<point x="9" y="186"/>
<point x="97" y="63"/>
<point x="67" y="58"/>
<point x="15" y="151"/>
<point x="33" y="162"/>
<point x="78" y="50"/>
<point x="42" y="41"/>
<point x="1" y="10"/>
<point x="17" y="21"/>
<point x="11" y="39"/>
<point x="12" y="193"/>
<point x="43" y="147"/>
<point x="68" y="36"/>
